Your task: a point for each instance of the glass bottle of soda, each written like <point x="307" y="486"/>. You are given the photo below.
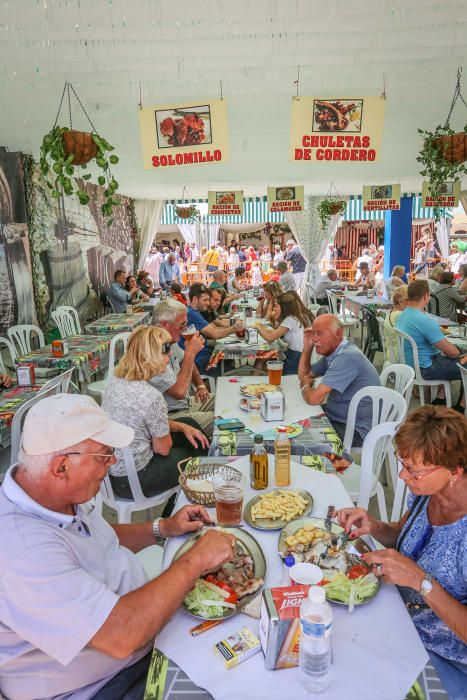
<point x="258" y="464"/>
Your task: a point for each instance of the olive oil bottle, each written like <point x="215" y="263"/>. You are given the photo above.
<point x="259" y="464"/>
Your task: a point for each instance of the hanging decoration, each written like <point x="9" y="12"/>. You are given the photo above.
<point x="336" y="129"/>
<point x="188" y="212"/>
<point x="289" y="198"/>
<point x="184" y="134"/>
<point x="381" y="197"/>
<point x="442" y="156"/>
<point x="225" y="203"/>
<point x="65" y="153"/>
<point x="331" y="205"/>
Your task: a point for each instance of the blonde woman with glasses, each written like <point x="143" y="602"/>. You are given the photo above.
<point x="426" y="555"/>
<point x="159" y="443"/>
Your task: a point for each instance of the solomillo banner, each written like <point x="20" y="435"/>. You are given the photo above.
<point x="184" y="134"/>
<point x="345" y="129"/>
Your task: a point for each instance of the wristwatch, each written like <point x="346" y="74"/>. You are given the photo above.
<point x="157" y="534"/>
<point x="427" y="584"/>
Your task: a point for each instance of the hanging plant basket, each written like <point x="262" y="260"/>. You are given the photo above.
<point x="80" y="144"/>
<point x="452" y="147"/>
<point x="188" y="213"/>
<point x="330" y="207"/>
<point x="65" y="153"/>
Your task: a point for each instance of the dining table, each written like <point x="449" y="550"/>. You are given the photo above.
<point x="88" y="353"/>
<point x="376" y="651"/>
<point x="117" y="323"/>
<point x="11" y="400"/>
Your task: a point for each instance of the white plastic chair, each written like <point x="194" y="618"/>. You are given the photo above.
<point x="388" y="350"/>
<point x="345" y="317"/>
<point x="67" y="320"/>
<point x="401" y="492"/>
<point x="362" y="480"/>
<point x="403" y="377"/>
<point x="387" y="405"/>
<point x="21" y="337"/>
<point x="124" y="506"/>
<point x="419" y="380"/>
<point x="20" y="415"/>
<point x="100" y="386"/>
<point x="60" y="384"/>
<point x="463" y="370"/>
<point x="11" y="349"/>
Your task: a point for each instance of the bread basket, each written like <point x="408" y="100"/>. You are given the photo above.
<point x="196" y="470"/>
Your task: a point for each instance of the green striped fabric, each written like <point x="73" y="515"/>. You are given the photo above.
<point x="255" y="210"/>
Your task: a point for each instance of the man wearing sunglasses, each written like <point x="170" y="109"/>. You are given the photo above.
<point x="78" y="613"/>
<point x="199" y="301"/>
<point x="181" y="373"/>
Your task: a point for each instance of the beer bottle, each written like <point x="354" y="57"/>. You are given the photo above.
<point x="258" y="464"/>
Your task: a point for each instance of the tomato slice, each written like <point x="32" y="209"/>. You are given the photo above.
<point x="233" y="598"/>
<point x="356" y="571"/>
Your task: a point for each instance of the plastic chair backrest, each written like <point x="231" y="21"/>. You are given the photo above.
<point x="18" y="421"/>
<point x="67" y="320"/>
<point x="21" y="336"/>
<point x="401" y="492"/>
<point x="11" y="349"/>
<point x="377" y="446"/>
<point x="109" y="300"/>
<point x="387" y="405"/>
<point x="463" y="371"/>
<point x="433" y="305"/>
<point x="402" y="338"/>
<point x="332" y="302"/>
<point x="57" y="385"/>
<point x="119" y="338"/>
<point x="404" y="377"/>
<point x="391" y="352"/>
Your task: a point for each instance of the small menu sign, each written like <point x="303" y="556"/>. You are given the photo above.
<point x="381" y="197"/>
<point x="226" y="202"/>
<point x="286" y="198"/>
<point x="449" y="197"/>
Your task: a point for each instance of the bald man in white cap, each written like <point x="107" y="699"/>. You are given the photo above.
<point x="78" y="615"/>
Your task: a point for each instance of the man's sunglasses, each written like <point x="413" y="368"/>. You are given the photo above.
<point x="166" y="348"/>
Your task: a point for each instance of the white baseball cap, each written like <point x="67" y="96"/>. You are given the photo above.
<point x="63" y="420"/>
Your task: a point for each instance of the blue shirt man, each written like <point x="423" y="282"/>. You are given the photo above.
<point x="169" y="272"/>
<point x="117" y="294"/>
<point x="343" y="369"/>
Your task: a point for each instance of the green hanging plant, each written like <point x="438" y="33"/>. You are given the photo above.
<point x="64" y="154"/>
<point x="330" y="206"/>
<point x="443" y="153"/>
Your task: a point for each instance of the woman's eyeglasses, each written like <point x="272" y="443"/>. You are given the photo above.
<point x="166" y="348"/>
<point x="413" y="474"/>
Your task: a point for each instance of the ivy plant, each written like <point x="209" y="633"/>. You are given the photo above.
<point x="329" y="207"/>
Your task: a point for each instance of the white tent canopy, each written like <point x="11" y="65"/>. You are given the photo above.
<point x="180" y="52"/>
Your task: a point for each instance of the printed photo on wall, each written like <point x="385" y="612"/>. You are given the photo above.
<point x="184" y="126"/>
<point x="337" y="115"/>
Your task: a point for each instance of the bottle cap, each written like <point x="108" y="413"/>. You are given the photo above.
<point x="289" y="560"/>
<point x="282" y="429"/>
<point x="316" y="595"/>
<point x="258" y="438"/>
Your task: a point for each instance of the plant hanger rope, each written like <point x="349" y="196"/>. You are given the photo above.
<point x="67" y="88"/>
<point x="457" y="94"/>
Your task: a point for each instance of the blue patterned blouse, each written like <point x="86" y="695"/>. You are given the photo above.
<point x="442" y="551"/>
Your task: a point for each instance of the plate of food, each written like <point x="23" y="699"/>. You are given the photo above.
<point x="347" y="579"/>
<point x="257" y="389"/>
<point x="251" y="404"/>
<point x="274" y="509"/>
<point x="285" y="194"/>
<point x="227" y="590"/>
<point x="291" y="431"/>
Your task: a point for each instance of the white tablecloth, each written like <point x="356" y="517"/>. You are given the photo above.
<point x="376" y="650"/>
<point x="228" y="397"/>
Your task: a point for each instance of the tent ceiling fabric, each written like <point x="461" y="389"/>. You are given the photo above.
<point x="182" y="51"/>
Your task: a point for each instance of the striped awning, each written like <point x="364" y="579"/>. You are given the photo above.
<point x="354" y="210"/>
<point x="255" y="210"/>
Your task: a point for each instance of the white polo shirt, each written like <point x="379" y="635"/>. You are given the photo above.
<point x="60" y="577"/>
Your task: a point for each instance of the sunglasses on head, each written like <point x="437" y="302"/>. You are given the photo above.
<point x="166" y="348"/>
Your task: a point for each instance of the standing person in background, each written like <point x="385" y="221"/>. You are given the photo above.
<point x="170" y="272"/>
<point x="194" y="253"/>
<point x="422" y="258"/>
<point x="265" y="259"/>
<point x="462" y="284"/>
<point x="242" y="255"/>
<point x="233" y="259"/>
<point x="454" y="259"/>
<point x="298" y="262"/>
<point x="212" y="259"/>
<point x="287" y="279"/>
<point x="278" y="255"/>
<point x="256" y="274"/>
<point x="153" y="264"/>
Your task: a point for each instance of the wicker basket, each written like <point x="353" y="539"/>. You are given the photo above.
<point x="453" y="147"/>
<point x="200" y="471"/>
<point x="80" y="144"/>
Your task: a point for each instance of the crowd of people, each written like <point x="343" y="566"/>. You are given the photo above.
<point x="57" y="549"/>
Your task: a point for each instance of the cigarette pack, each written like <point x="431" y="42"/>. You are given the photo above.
<point x="59" y="348"/>
<point x="237" y="647"/>
<point x="272" y="405"/>
<point x="25" y="374"/>
<point x="279" y="627"/>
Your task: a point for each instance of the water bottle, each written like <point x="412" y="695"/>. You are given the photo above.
<point x="315" y="641"/>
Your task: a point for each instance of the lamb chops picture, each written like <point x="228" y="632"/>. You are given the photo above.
<point x="190" y="126"/>
<point x="337" y="115"/>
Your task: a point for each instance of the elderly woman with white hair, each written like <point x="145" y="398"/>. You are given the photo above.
<point x="233" y="260"/>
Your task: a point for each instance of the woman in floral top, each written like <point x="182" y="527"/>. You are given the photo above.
<point x="426" y="555"/>
<point x="159" y="443"/>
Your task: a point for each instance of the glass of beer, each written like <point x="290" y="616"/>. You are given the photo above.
<point x="228" y="494"/>
<point x="188" y="333"/>
<point x="275" y="368"/>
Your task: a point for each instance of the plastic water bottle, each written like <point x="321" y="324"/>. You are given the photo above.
<point x="315" y="641"/>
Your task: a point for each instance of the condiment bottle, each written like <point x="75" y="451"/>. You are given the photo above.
<point x="289" y="561"/>
<point x="258" y="464"/>
<point x="282" y="451"/>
